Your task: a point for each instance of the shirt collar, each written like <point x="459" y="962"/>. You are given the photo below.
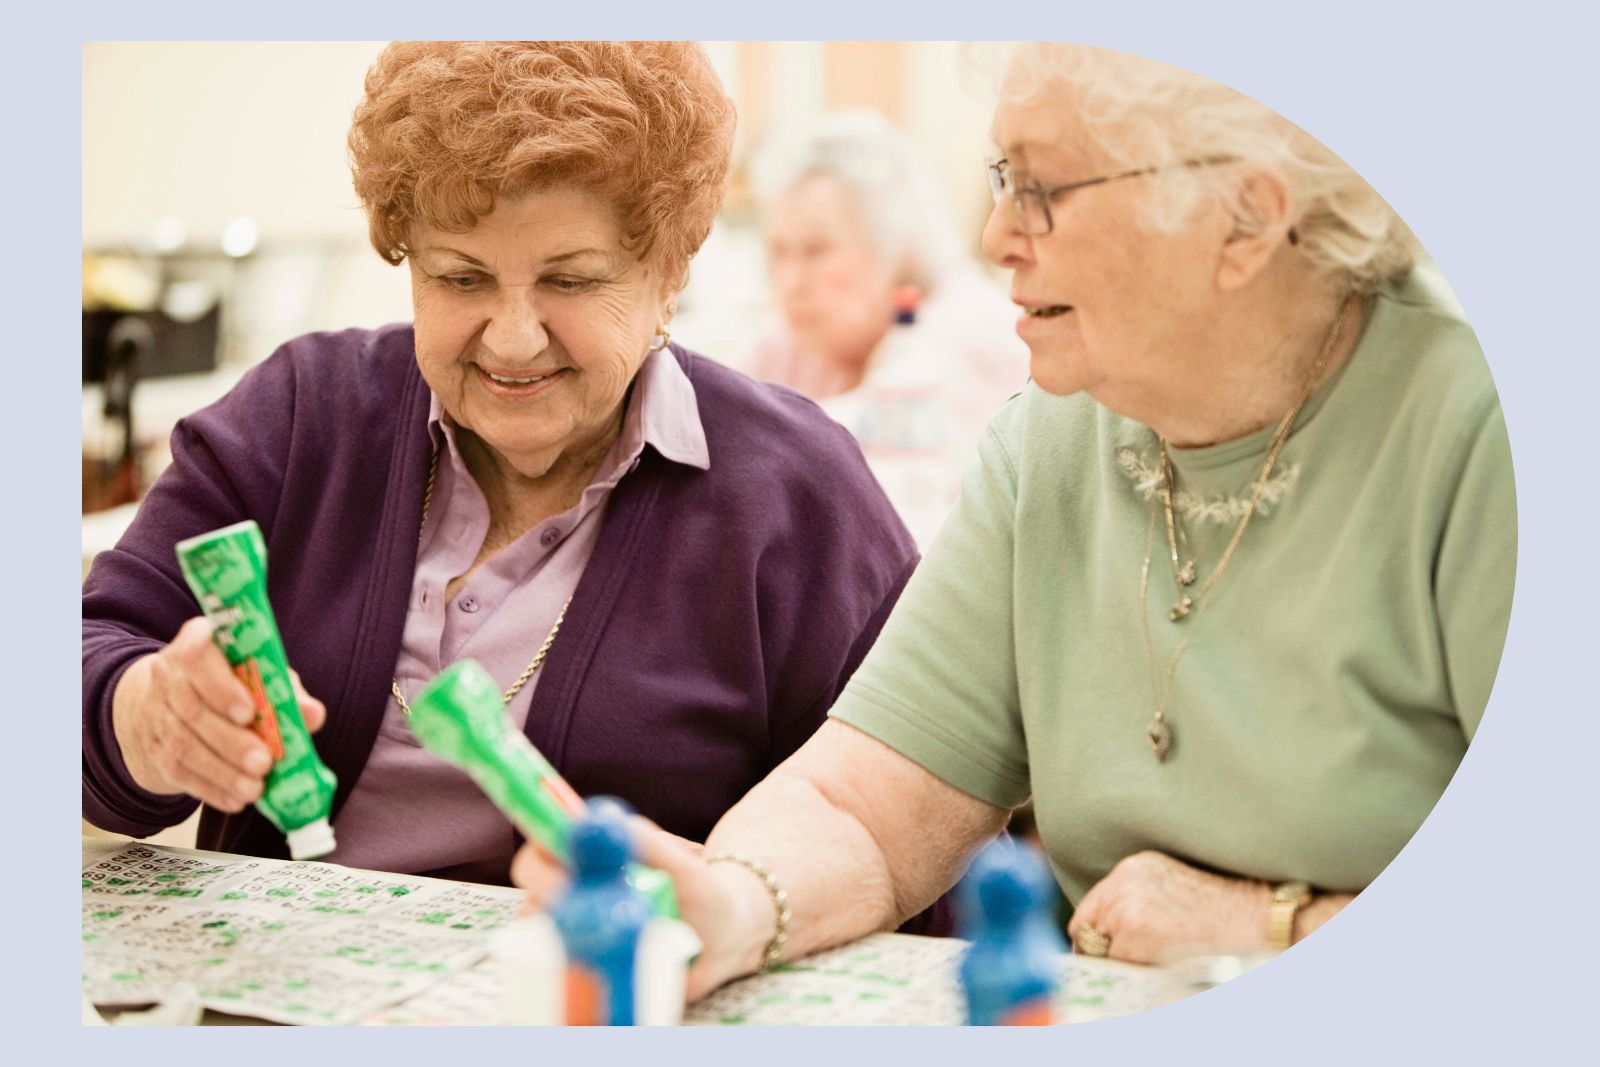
<point x="662" y="412"/>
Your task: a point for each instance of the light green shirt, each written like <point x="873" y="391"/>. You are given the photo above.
<point x="1335" y="677"/>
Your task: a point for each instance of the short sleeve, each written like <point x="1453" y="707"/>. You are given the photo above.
<point x="1476" y="568"/>
<point x="940" y="684"/>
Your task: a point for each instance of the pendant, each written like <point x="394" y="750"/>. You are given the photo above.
<point x="1159" y="734"/>
<point x="1181" y="608"/>
<point x="1186" y="573"/>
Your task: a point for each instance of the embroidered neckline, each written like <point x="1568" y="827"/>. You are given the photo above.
<point x="1145" y="475"/>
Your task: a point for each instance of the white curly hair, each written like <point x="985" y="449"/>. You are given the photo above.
<point x="1145" y="113"/>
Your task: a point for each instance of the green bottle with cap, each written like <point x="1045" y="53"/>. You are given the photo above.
<point x="227" y="571"/>
<point x="460" y="716"/>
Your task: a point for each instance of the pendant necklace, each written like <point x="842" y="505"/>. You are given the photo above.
<point x="1158" y="732"/>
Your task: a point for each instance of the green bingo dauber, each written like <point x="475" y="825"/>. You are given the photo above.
<point x="460" y="716"/>
<point x="227" y="571"/>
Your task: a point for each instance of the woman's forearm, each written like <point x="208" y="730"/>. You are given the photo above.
<point x="859" y="838"/>
<point x="842" y="892"/>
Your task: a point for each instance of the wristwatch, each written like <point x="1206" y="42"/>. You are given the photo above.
<point x="1287" y="900"/>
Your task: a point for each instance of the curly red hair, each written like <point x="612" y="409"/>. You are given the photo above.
<point x="447" y="127"/>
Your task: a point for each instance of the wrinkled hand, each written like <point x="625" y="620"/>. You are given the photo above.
<point x="182" y="721"/>
<point x="1158" y="910"/>
<point x="711" y="898"/>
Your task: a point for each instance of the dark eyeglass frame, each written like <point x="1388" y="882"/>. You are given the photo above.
<point x="1001" y="183"/>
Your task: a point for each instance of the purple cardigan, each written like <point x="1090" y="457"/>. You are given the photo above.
<point x="719" y="617"/>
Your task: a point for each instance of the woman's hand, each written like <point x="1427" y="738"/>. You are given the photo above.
<point x="1157" y="910"/>
<point x="727" y="906"/>
<point x="182" y="721"/>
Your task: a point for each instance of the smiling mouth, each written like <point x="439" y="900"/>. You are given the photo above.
<point x="1048" y="312"/>
<point x="517" y="381"/>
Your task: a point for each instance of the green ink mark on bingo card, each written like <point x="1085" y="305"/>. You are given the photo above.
<point x="886" y="979"/>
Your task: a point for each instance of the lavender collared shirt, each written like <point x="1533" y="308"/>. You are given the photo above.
<point x="410" y="811"/>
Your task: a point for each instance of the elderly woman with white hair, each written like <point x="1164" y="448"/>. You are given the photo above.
<point x="1226" y="589"/>
<point x="882" y="320"/>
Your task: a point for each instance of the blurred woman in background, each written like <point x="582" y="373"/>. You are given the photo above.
<point x="882" y="319"/>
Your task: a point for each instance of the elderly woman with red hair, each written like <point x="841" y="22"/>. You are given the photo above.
<point x="672" y="569"/>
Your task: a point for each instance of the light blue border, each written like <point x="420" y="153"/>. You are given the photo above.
<point x="1474" y="945"/>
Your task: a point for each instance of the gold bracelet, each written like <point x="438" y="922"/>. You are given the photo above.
<point x="780" y="904"/>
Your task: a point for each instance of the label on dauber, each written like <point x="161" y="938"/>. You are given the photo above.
<point x="265" y="723"/>
<point x="587" y="1003"/>
<point x="1030" y="1013"/>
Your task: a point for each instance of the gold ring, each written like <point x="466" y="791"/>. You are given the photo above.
<point x="1092" y="942"/>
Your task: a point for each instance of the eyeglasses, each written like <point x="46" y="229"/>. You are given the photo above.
<point x="1032" y="200"/>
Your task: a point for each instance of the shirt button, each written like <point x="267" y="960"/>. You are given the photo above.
<point x="550" y="536"/>
<point x="468" y="603"/>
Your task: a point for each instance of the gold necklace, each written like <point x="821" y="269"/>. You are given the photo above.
<point x="1158" y="733"/>
<point x="1182" y="574"/>
<point x="544" y="647"/>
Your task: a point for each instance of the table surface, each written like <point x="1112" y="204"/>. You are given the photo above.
<point x="884" y="979"/>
